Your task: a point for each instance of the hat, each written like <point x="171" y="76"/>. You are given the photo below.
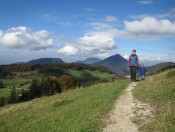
<point x="133" y="50"/>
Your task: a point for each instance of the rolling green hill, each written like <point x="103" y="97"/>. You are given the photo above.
<point x="23" y="79"/>
<point x="73" y="110"/>
<point x="159" y="91"/>
<point x="160" y="67"/>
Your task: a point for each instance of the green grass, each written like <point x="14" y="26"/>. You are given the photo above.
<point x="5" y="92"/>
<point x="86" y="75"/>
<point x="8" y="83"/>
<point x="15" y="81"/>
<point x="76" y="110"/>
<point x="159" y="91"/>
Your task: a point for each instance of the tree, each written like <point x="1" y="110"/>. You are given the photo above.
<point x="50" y="86"/>
<point x="1" y="85"/>
<point x="35" y="89"/>
<point x="24" y="95"/>
<point x="67" y="82"/>
<point x="46" y="87"/>
<point x="13" y="97"/>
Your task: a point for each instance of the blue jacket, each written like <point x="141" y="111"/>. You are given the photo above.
<point x="142" y="70"/>
<point x="133" y="61"/>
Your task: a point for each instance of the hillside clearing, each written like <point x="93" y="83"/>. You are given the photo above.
<point x="74" y="110"/>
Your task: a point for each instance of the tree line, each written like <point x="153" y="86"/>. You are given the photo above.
<point x="7" y="70"/>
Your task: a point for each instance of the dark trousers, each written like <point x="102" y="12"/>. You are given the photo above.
<point x="133" y="70"/>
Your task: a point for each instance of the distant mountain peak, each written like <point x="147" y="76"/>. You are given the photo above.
<point x="89" y="61"/>
<point x="116" y="63"/>
<point x="45" y="61"/>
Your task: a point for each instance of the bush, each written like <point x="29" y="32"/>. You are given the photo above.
<point x="171" y="74"/>
<point x="67" y="82"/>
<point x="13" y="95"/>
<point x="50" y="86"/>
<point x="45" y="87"/>
<point x="3" y="101"/>
<point x="1" y="84"/>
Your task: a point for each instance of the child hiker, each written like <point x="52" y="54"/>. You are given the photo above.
<point x="143" y="71"/>
<point x="133" y="64"/>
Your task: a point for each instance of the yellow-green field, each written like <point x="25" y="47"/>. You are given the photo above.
<point x="159" y="91"/>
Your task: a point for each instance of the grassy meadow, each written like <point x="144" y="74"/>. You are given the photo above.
<point x="159" y="91"/>
<point x="73" y="110"/>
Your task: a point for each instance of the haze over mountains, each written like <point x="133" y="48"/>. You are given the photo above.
<point x="89" y="61"/>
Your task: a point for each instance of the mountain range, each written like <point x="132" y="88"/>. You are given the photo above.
<point x="115" y="63"/>
<point x="46" y="61"/>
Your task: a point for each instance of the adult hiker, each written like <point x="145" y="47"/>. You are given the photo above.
<point x="133" y="64"/>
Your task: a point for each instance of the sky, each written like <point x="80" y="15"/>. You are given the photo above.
<point x="78" y="29"/>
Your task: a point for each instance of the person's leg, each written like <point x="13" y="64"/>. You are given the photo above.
<point x="131" y="72"/>
<point x="134" y="73"/>
<point x="143" y="77"/>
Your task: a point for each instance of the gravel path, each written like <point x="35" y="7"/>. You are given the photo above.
<point x="120" y="117"/>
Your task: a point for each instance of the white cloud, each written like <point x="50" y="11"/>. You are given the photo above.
<point x="101" y="55"/>
<point x="150" y="28"/>
<point x="1" y="32"/>
<point x="145" y="2"/>
<point x="23" y="37"/>
<point x="99" y="25"/>
<point x="110" y="18"/>
<point x="170" y="14"/>
<point x="68" y="50"/>
<point x="99" y="40"/>
<point x="126" y="57"/>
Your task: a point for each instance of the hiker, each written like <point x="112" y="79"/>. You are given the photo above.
<point x="143" y="71"/>
<point x="133" y="64"/>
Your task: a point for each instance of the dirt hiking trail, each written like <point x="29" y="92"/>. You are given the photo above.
<point x="125" y="110"/>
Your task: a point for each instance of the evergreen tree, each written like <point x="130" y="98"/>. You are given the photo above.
<point x="13" y="97"/>
<point x="1" y="85"/>
<point x="46" y="90"/>
<point x="24" y="95"/>
<point x="33" y="89"/>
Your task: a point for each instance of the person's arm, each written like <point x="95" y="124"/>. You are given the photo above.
<point x="129" y="62"/>
<point x="145" y="70"/>
<point x="137" y="61"/>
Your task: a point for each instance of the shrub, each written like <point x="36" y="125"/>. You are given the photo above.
<point x="1" y="84"/>
<point x="50" y="86"/>
<point x="13" y="95"/>
<point x="3" y="101"/>
<point x="171" y="74"/>
<point x="67" y="82"/>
